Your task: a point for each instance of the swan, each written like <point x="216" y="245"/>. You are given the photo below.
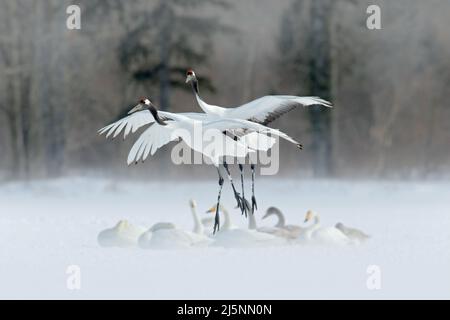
<point x="279" y="232"/>
<point x="353" y="234"/>
<point x="322" y="235"/>
<point x="262" y="110"/>
<point x="172" y="126"/>
<point x="166" y="235"/>
<point x="123" y="234"/>
<point x="230" y="236"/>
<point x="200" y="224"/>
<point x="291" y="231"/>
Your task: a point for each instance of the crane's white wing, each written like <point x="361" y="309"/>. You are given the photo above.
<point x="151" y="140"/>
<point x="138" y="119"/>
<point x="268" y="108"/>
<point x="130" y="123"/>
<point x="258" y="141"/>
<point x="229" y="124"/>
<point x="157" y="136"/>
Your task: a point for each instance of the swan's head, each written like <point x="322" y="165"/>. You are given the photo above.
<point x="309" y="215"/>
<point x="192" y="203"/>
<point x="190" y="75"/>
<point x="214" y="208"/>
<point x="122" y="224"/>
<point x="271" y="211"/>
<point x="339" y="225"/>
<point x="144" y="103"/>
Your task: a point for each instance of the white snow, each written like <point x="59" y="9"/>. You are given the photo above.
<point x="45" y="226"/>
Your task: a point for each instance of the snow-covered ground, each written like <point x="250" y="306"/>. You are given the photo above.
<point x="45" y="226"/>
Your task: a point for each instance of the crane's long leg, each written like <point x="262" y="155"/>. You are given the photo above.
<point x="245" y="204"/>
<point x="237" y="196"/>
<point x="254" y="205"/>
<point x="217" y="217"/>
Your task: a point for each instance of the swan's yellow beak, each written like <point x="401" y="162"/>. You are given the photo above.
<point x="211" y="210"/>
<point x="308" y="216"/>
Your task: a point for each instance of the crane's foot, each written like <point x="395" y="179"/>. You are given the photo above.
<point x="238" y="198"/>
<point x="246" y="207"/>
<point x="216" y="221"/>
<point x="254" y="205"/>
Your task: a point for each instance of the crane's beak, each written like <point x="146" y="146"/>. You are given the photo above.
<point x="139" y="107"/>
<point x="189" y="78"/>
<point x="264" y="216"/>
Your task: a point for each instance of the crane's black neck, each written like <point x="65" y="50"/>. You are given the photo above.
<point x="194" y="85"/>
<point x="155" y="115"/>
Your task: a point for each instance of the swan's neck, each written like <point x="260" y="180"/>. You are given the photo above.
<point x="227" y="220"/>
<point x="198" y="226"/>
<point x="310" y="229"/>
<point x="281" y="221"/>
<point x="252" y="221"/>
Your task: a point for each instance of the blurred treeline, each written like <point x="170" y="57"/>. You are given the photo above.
<point x="390" y="87"/>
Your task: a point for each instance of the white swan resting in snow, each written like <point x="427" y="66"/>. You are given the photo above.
<point x="166" y="235"/>
<point x="230" y="236"/>
<point x="289" y="231"/>
<point x="353" y="234"/>
<point x="123" y="234"/>
<point x="322" y="235"/>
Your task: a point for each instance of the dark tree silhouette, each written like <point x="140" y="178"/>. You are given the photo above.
<point x="164" y="42"/>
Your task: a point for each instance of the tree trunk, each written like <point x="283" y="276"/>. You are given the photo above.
<point x="320" y="85"/>
<point x="164" y="52"/>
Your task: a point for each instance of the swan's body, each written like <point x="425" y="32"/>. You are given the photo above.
<point x="316" y="234"/>
<point x="165" y="235"/>
<point x="123" y="234"/>
<point x="168" y="236"/>
<point x="281" y="228"/>
<point x="231" y="236"/>
<point x="353" y="234"/>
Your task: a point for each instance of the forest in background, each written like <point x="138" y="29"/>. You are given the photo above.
<point x="389" y="87"/>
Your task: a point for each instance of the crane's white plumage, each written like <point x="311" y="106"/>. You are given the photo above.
<point x="183" y="128"/>
<point x="268" y="108"/>
<point x="231" y="123"/>
<point x="136" y="120"/>
<point x="262" y="110"/>
<point x="250" y="134"/>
